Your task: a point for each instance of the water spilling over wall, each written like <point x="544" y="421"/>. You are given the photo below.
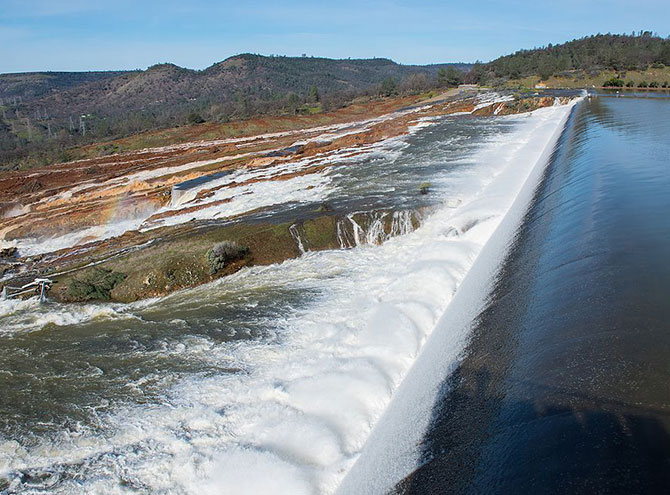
<point x="360" y="228"/>
<point x="270" y="380"/>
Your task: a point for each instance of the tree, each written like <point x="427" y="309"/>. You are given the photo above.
<point x="313" y="96"/>
<point x="415" y="82"/>
<point x="615" y="82"/>
<point x="546" y="69"/>
<point x="293" y="102"/>
<point x="449" y="77"/>
<point x="388" y="87"/>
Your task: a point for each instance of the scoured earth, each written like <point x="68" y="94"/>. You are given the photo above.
<point x="152" y="215"/>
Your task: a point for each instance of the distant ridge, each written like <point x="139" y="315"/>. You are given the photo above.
<point x="162" y="86"/>
<point x="29" y="86"/>
<point x="45" y="113"/>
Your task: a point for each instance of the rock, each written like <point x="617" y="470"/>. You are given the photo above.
<point x="424" y="188"/>
<point x="9" y="252"/>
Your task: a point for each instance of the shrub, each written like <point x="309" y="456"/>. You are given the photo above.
<point x="653" y="84"/>
<point x="94" y="284"/>
<point x="642" y="84"/>
<point x="223" y="253"/>
<point x="195" y="118"/>
<point x="615" y="82"/>
<point x="630" y="84"/>
<point x="388" y="87"/>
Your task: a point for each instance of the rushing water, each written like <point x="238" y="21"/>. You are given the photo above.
<point x="268" y="381"/>
<point x="563" y="387"/>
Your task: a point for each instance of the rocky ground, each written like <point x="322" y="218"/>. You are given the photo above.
<point x="139" y="224"/>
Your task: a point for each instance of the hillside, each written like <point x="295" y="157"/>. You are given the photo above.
<point x="28" y="86"/>
<point x="221" y="89"/>
<point x="45" y="113"/>
<point x="590" y="55"/>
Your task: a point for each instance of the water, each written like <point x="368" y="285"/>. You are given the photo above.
<point x="268" y="381"/>
<point x="563" y="385"/>
<point x="384" y="175"/>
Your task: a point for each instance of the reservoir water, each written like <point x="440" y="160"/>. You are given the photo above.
<point x="563" y="385"/>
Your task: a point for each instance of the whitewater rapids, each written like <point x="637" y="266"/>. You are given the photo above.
<point x="298" y="417"/>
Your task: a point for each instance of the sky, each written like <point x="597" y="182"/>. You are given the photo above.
<point x="73" y="35"/>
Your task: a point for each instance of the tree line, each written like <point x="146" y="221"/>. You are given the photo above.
<point x="619" y="52"/>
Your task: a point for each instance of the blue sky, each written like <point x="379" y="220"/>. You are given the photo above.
<point x="126" y="34"/>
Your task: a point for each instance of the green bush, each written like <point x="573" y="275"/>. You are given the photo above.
<point x="223" y="253"/>
<point x="615" y="82"/>
<point x="388" y="87"/>
<point x="95" y="284"/>
<point x="630" y="84"/>
<point x="449" y="76"/>
<point x="653" y="84"/>
<point x="642" y="84"/>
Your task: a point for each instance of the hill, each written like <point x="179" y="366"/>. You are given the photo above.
<point x="238" y="86"/>
<point x="45" y="113"/>
<point x="28" y="86"/>
<point x="616" y="52"/>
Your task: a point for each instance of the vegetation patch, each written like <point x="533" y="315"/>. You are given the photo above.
<point x="592" y="55"/>
<point x="223" y="253"/>
<point x="95" y="284"/>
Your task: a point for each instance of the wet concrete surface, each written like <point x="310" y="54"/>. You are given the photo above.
<point x="565" y="386"/>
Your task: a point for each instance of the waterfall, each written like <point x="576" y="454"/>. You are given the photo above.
<point x="375" y="227"/>
<point x="354" y="229"/>
<point x="293" y="229"/>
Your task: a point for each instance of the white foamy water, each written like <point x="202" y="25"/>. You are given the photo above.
<point x="297" y="416"/>
<point x="30" y="247"/>
<point x="406" y="420"/>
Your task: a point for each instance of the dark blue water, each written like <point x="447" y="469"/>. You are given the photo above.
<point x="565" y="387"/>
